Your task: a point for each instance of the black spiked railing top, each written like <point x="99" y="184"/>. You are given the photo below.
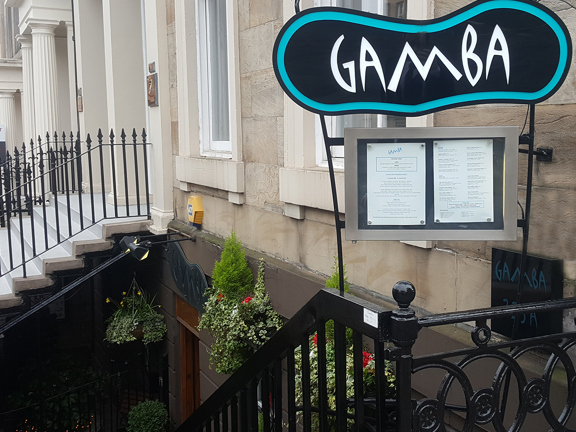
<point x="63" y="174"/>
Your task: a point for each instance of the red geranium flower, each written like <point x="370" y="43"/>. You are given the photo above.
<point x="366" y="358"/>
<point x="220" y="297"/>
<point x="247" y="300"/>
<point x="315" y="339"/>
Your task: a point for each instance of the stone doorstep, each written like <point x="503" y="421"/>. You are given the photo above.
<point x="109" y="229"/>
<point x="9" y="301"/>
<point x="52" y="265"/>
<point x="20" y="284"/>
<point x="85" y="246"/>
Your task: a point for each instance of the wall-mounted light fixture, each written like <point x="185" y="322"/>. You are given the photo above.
<point x="130" y="245"/>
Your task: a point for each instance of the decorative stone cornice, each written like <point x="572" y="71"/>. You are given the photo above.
<point x="43" y="26"/>
<point x="25" y="40"/>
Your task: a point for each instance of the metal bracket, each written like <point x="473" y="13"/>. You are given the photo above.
<point x="521" y="223"/>
<point x="542" y="154"/>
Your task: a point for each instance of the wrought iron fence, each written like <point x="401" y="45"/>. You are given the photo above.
<point x="322" y="349"/>
<point x="311" y="376"/>
<point x="49" y="183"/>
<point x="102" y="405"/>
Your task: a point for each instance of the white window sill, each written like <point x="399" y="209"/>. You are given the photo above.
<point x="218" y="173"/>
<point x="311" y="188"/>
<point x="216" y="155"/>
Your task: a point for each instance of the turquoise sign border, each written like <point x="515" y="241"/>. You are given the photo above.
<point x="325" y="14"/>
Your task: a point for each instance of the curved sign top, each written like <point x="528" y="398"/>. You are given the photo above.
<point x="337" y="61"/>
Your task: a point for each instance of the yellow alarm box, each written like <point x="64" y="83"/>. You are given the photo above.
<point x="195" y="211"/>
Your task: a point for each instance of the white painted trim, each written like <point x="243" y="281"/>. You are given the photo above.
<point x="215" y="173"/>
<point x="310" y="188"/>
<point x="221" y="170"/>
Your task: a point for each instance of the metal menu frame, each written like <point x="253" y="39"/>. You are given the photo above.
<point x="505" y="184"/>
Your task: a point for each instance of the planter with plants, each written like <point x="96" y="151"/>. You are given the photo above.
<point x="368" y="366"/>
<point x="135" y="317"/>
<point x="239" y="315"/>
<point x="148" y="416"/>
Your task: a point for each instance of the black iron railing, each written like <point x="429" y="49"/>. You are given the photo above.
<point x="59" y="188"/>
<point x="523" y="385"/>
<point x="264" y="389"/>
<point x="102" y="405"/>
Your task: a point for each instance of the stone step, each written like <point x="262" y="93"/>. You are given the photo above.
<point x="55" y="239"/>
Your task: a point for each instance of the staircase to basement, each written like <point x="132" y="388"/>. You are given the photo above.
<point x="64" y="198"/>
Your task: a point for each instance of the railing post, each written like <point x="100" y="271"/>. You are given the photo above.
<point x="34" y="175"/>
<point x="90" y="179"/>
<point x="403" y="333"/>
<point x="77" y="154"/>
<point x="8" y="203"/>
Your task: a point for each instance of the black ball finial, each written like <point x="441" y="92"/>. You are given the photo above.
<point x="403" y="292"/>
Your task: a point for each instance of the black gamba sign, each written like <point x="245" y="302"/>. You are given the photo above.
<point x="335" y="61"/>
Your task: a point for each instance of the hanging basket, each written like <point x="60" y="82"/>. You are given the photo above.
<point x="138" y="332"/>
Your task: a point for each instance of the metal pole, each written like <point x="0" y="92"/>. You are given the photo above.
<point x="63" y="291"/>
<point x="523" y="256"/>
<point x="338" y="223"/>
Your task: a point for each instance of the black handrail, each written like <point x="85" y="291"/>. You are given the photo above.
<point x="232" y="404"/>
<point x="326" y="305"/>
<point x="60" y="173"/>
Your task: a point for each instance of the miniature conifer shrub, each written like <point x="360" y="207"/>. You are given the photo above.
<point x="237" y="314"/>
<point x="231" y="274"/>
<point x="334" y="282"/>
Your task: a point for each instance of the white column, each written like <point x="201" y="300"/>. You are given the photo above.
<point x="125" y="87"/>
<point x="160" y="122"/>
<point x="72" y="79"/>
<point x="28" y="127"/>
<point x="125" y="80"/>
<point x="8" y="119"/>
<point x="44" y="77"/>
<point x="88" y="20"/>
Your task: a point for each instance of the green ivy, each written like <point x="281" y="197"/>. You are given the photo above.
<point x="135" y="309"/>
<point x="334" y="282"/>
<point x="368" y="378"/>
<point x="240" y="325"/>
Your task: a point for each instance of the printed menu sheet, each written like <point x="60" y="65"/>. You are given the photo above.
<point x="463" y="181"/>
<point x="396" y="177"/>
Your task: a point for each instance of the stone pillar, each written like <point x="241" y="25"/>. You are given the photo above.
<point x="160" y="121"/>
<point x="28" y="127"/>
<point x="44" y="78"/>
<point x="125" y="89"/>
<point x="8" y="119"/>
<point x="88" y="20"/>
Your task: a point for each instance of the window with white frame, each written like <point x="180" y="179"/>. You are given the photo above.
<point x="213" y="77"/>
<point x="336" y="124"/>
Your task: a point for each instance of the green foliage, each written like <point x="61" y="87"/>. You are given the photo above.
<point x="231" y="274"/>
<point x="149" y="416"/>
<point x="55" y="393"/>
<point x="368" y="377"/>
<point x="239" y="326"/>
<point x="334" y="282"/>
<point x="135" y="314"/>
